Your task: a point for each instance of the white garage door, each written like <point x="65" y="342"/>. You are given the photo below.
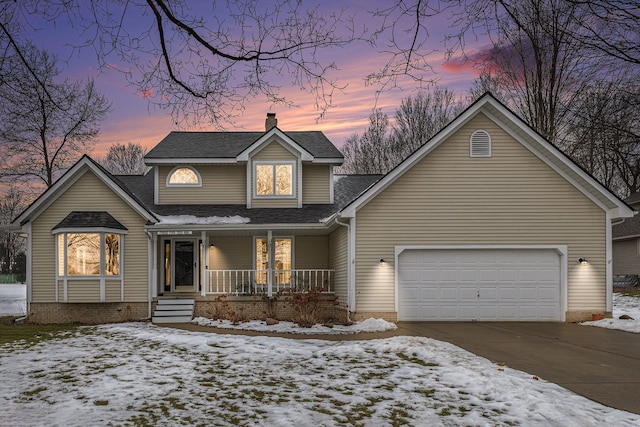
<point x="479" y="284"/>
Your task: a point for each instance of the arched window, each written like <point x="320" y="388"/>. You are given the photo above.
<point x="183" y="176"/>
<point x="480" y="144"/>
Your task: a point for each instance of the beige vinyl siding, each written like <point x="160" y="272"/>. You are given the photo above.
<point x="274" y="152"/>
<point x="311" y="252"/>
<point x="338" y="261"/>
<point x="626" y="260"/>
<point x="88" y="193"/>
<point x="231" y="253"/>
<point x="511" y="198"/>
<point x="315" y="184"/>
<point x="221" y="184"/>
<point x="112" y="291"/>
<point x="83" y="290"/>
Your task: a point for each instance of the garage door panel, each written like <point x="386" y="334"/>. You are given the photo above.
<point x="428" y="275"/>
<point x="467" y="294"/>
<point x="507" y="275"/>
<point x="479" y="284"/>
<point x="413" y="292"/>
<point x="429" y="294"/>
<point x="528" y="293"/>
<point x="449" y="293"/>
<point x="468" y="275"/>
<point x="409" y="275"/>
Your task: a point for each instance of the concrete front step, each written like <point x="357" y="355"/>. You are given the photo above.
<point x="172" y="319"/>
<point x="168" y="313"/>
<point x="176" y="301"/>
<point x="170" y="307"/>
<point x="173" y="310"/>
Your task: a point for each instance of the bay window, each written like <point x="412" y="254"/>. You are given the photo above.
<point x="88" y="254"/>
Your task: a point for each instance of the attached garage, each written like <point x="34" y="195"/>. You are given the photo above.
<point x="480" y="283"/>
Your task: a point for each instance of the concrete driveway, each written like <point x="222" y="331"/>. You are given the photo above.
<point x="600" y="364"/>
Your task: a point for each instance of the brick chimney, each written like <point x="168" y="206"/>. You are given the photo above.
<point x="271" y="122"/>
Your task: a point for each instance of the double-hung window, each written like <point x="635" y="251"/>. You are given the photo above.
<point x="274" y="179"/>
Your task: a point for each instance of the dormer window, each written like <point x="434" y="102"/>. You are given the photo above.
<point x="274" y="179"/>
<point x="184" y="176"/>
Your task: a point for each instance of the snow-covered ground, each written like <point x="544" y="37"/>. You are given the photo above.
<point x="138" y="373"/>
<point x="13" y="300"/>
<point x="622" y="305"/>
<point x="369" y="325"/>
<point x="141" y="374"/>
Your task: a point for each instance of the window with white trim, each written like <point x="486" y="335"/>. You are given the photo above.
<point x="282" y="248"/>
<point x="183" y="176"/>
<point x="480" y="144"/>
<point x="274" y="179"/>
<point x="89" y="254"/>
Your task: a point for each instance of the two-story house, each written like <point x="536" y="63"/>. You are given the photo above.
<point x="486" y="221"/>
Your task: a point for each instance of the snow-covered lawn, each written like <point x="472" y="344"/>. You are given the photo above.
<point x="13" y="300"/>
<point x="622" y="304"/>
<point x="141" y="374"/>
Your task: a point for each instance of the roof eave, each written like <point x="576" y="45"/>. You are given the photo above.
<point x="67" y="180"/>
<point x="244" y="156"/>
<point x="190" y="161"/>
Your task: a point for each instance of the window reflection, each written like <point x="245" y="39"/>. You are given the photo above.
<point x="184" y="176"/>
<point x="274" y="179"/>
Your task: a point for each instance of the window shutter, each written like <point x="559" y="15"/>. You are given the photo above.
<point x="480" y="144"/>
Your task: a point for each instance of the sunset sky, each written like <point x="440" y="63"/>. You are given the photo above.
<point x="133" y="119"/>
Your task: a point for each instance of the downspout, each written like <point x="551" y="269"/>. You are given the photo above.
<point x="349" y="287"/>
<point x="29" y="279"/>
<point x="608" y="263"/>
<point x="149" y="273"/>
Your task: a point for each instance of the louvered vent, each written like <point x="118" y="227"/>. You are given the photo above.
<point x="480" y="144"/>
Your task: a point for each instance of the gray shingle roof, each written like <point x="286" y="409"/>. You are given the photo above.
<point x="219" y="145"/>
<point x="86" y="220"/>
<point x="347" y="188"/>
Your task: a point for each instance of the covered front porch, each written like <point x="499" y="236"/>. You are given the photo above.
<point x="241" y="263"/>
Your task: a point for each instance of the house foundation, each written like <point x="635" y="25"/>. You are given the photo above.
<point x="88" y="313"/>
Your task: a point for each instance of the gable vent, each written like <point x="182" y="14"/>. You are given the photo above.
<point x="480" y="144"/>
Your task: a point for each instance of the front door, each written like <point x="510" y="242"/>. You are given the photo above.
<point x="181" y="265"/>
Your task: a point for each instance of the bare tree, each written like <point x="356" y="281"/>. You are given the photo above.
<point x="11" y="244"/>
<point x="383" y="145"/>
<point x="202" y="61"/>
<point x="125" y="159"/>
<point x="42" y="134"/>
<point x="369" y="153"/>
<point x="613" y="28"/>
<point x="421" y="116"/>
<point x="605" y="134"/>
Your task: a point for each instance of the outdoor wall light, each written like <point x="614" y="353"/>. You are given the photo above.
<point x="382" y="261"/>
<point x="212" y="245"/>
<point x="583" y="261"/>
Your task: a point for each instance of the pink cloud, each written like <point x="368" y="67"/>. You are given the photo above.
<point x="146" y="93"/>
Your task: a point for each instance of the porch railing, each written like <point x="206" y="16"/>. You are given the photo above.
<point x="265" y="282"/>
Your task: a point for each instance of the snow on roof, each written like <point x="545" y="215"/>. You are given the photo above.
<point x="191" y="219"/>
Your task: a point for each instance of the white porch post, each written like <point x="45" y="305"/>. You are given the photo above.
<point x="204" y="285"/>
<point x="271" y="261"/>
